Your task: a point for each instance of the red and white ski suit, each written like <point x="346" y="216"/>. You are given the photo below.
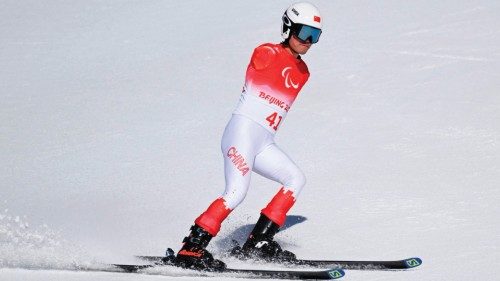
<point x="274" y="78"/>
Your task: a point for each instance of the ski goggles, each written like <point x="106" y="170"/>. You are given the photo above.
<point x="306" y="32"/>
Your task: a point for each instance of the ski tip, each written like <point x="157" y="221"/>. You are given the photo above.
<point x="413" y="262"/>
<point x="336" y="273"/>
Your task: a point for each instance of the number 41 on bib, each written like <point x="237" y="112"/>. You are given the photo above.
<point x="272" y="120"/>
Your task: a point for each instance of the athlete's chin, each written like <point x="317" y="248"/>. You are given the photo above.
<point x="303" y="48"/>
<point x="303" y="51"/>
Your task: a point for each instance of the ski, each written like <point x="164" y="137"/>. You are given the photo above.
<point x="252" y="273"/>
<point x="344" y="264"/>
<point x="362" y="265"/>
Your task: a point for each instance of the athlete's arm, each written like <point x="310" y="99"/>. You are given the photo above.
<point x="262" y="57"/>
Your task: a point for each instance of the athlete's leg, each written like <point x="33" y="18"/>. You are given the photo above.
<point x="276" y="165"/>
<point x="241" y="141"/>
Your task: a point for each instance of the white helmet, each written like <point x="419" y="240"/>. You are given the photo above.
<point x="299" y="15"/>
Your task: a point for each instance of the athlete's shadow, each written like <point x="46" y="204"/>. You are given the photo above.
<point x="241" y="233"/>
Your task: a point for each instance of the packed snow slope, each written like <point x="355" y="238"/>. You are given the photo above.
<point x="112" y="113"/>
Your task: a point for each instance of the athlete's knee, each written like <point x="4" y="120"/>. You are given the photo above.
<point x="300" y="179"/>
<point x="234" y="196"/>
<point x="295" y="181"/>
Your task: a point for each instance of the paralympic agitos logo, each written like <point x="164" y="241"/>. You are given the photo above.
<point x="288" y="80"/>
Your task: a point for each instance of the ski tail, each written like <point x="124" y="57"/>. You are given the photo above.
<point x="133" y="267"/>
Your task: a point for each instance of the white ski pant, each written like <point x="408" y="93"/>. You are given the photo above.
<point x="246" y="147"/>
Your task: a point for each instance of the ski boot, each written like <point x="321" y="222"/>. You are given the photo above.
<point x="261" y="246"/>
<point x="193" y="254"/>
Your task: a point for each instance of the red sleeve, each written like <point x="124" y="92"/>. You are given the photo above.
<point x="263" y="56"/>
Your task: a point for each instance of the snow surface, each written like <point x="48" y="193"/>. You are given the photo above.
<point x="112" y="112"/>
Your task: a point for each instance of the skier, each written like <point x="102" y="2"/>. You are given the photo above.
<point x="275" y="75"/>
